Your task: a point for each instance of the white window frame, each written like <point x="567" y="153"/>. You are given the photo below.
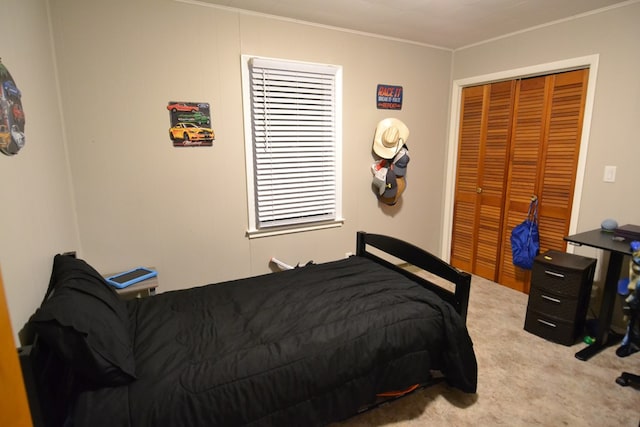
<point x="258" y="142"/>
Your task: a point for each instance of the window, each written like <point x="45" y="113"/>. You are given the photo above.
<point x="293" y="144"/>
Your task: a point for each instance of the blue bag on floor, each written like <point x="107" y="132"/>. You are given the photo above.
<point x="525" y="239"/>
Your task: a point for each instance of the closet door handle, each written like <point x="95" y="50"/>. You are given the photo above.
<point x="548" y="298"/>
<point x="554" y="274"/>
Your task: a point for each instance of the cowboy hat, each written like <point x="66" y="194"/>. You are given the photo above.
<point x="391" y="134"/>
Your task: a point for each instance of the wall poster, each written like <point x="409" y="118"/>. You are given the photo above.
<point x="389" y="97"/>
<point x="12" y="137"/>
<point x="190" y="124"/>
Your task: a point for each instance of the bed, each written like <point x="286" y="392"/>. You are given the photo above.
<point x="307" y="346"/>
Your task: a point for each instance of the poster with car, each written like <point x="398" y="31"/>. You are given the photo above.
<point x="190" y="124"/>
<point x="12" y="137"/>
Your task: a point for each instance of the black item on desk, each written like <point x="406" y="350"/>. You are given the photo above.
<point x="629" y="232"/>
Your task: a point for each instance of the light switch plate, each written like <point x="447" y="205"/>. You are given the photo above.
<point x="609" y="174"/>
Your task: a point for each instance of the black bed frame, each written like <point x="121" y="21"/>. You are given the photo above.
<point x="413" y="255"/>
<point x="51" y="384"/>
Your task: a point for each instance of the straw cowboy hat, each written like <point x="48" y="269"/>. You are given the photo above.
<point x="391" y="135"/>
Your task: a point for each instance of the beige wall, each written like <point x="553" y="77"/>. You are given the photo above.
<point x="141" y="201"/>
<point x="37" y="215"/>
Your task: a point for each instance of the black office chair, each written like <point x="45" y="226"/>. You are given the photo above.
<point x="631" y="342"/>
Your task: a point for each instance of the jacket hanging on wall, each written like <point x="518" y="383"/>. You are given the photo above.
<point x="525" y="238"/>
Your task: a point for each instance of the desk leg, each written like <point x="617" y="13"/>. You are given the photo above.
<point x="604" y="337"/>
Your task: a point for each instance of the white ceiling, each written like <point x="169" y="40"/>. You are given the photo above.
<point x="443" y="23"/>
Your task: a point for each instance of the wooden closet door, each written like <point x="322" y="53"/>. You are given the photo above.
<point x="485" y="128"/>
<point x="547" y="127"/>
<point x="560" y="157"/>
<point x="472" y="117"/>
<point x="524" y="168"/>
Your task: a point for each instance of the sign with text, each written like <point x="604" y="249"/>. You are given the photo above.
<point x="389" y="97"/>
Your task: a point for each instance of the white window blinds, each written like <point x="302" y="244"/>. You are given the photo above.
<point x="295" y="144"/>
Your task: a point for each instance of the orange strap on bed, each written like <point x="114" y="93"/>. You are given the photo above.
<point x="399" y="392"/>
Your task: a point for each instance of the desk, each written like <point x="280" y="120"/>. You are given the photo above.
<point x="617" y="249"/>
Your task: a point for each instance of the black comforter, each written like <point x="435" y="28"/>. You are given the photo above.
<point x="300" y="347"/>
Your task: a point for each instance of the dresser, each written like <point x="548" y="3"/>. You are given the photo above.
<point x="559" y="296"/>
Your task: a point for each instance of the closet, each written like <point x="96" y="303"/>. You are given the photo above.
<point x="517" y="139"/>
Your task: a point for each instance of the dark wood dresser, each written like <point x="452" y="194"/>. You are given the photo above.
<point x="559" y="296"/>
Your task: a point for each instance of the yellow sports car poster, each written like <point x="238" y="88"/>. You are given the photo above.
<point x="190" y="124"/>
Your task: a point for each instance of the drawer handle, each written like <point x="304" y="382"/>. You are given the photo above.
<point x="553" y="273"/>
<point x="544" y="322"/>
<point x="556" y="300"/>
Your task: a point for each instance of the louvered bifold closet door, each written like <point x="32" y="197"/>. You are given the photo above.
<point x="526" y="149"/>
<point x="544" y="150"/>
<point x="472" y="121"/>
<point x="481" y="172"/>
<point x="560" y="157"/>
<point x="493" y="175"/>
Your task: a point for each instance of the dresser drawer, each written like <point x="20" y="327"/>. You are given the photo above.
<point x="562" y="274"/>
<point x="556" y="280"/>
<point x="551" y="328"/>
<point x="558" y="306"/>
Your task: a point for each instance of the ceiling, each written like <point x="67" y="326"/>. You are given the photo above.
<point x="448" y="24"/>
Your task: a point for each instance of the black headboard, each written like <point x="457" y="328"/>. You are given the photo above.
<point x="424" y="260"/>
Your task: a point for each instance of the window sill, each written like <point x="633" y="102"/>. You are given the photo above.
<point x="255" y="234"/>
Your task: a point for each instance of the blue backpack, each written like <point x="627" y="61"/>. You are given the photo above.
<point x="525" y="239"/>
